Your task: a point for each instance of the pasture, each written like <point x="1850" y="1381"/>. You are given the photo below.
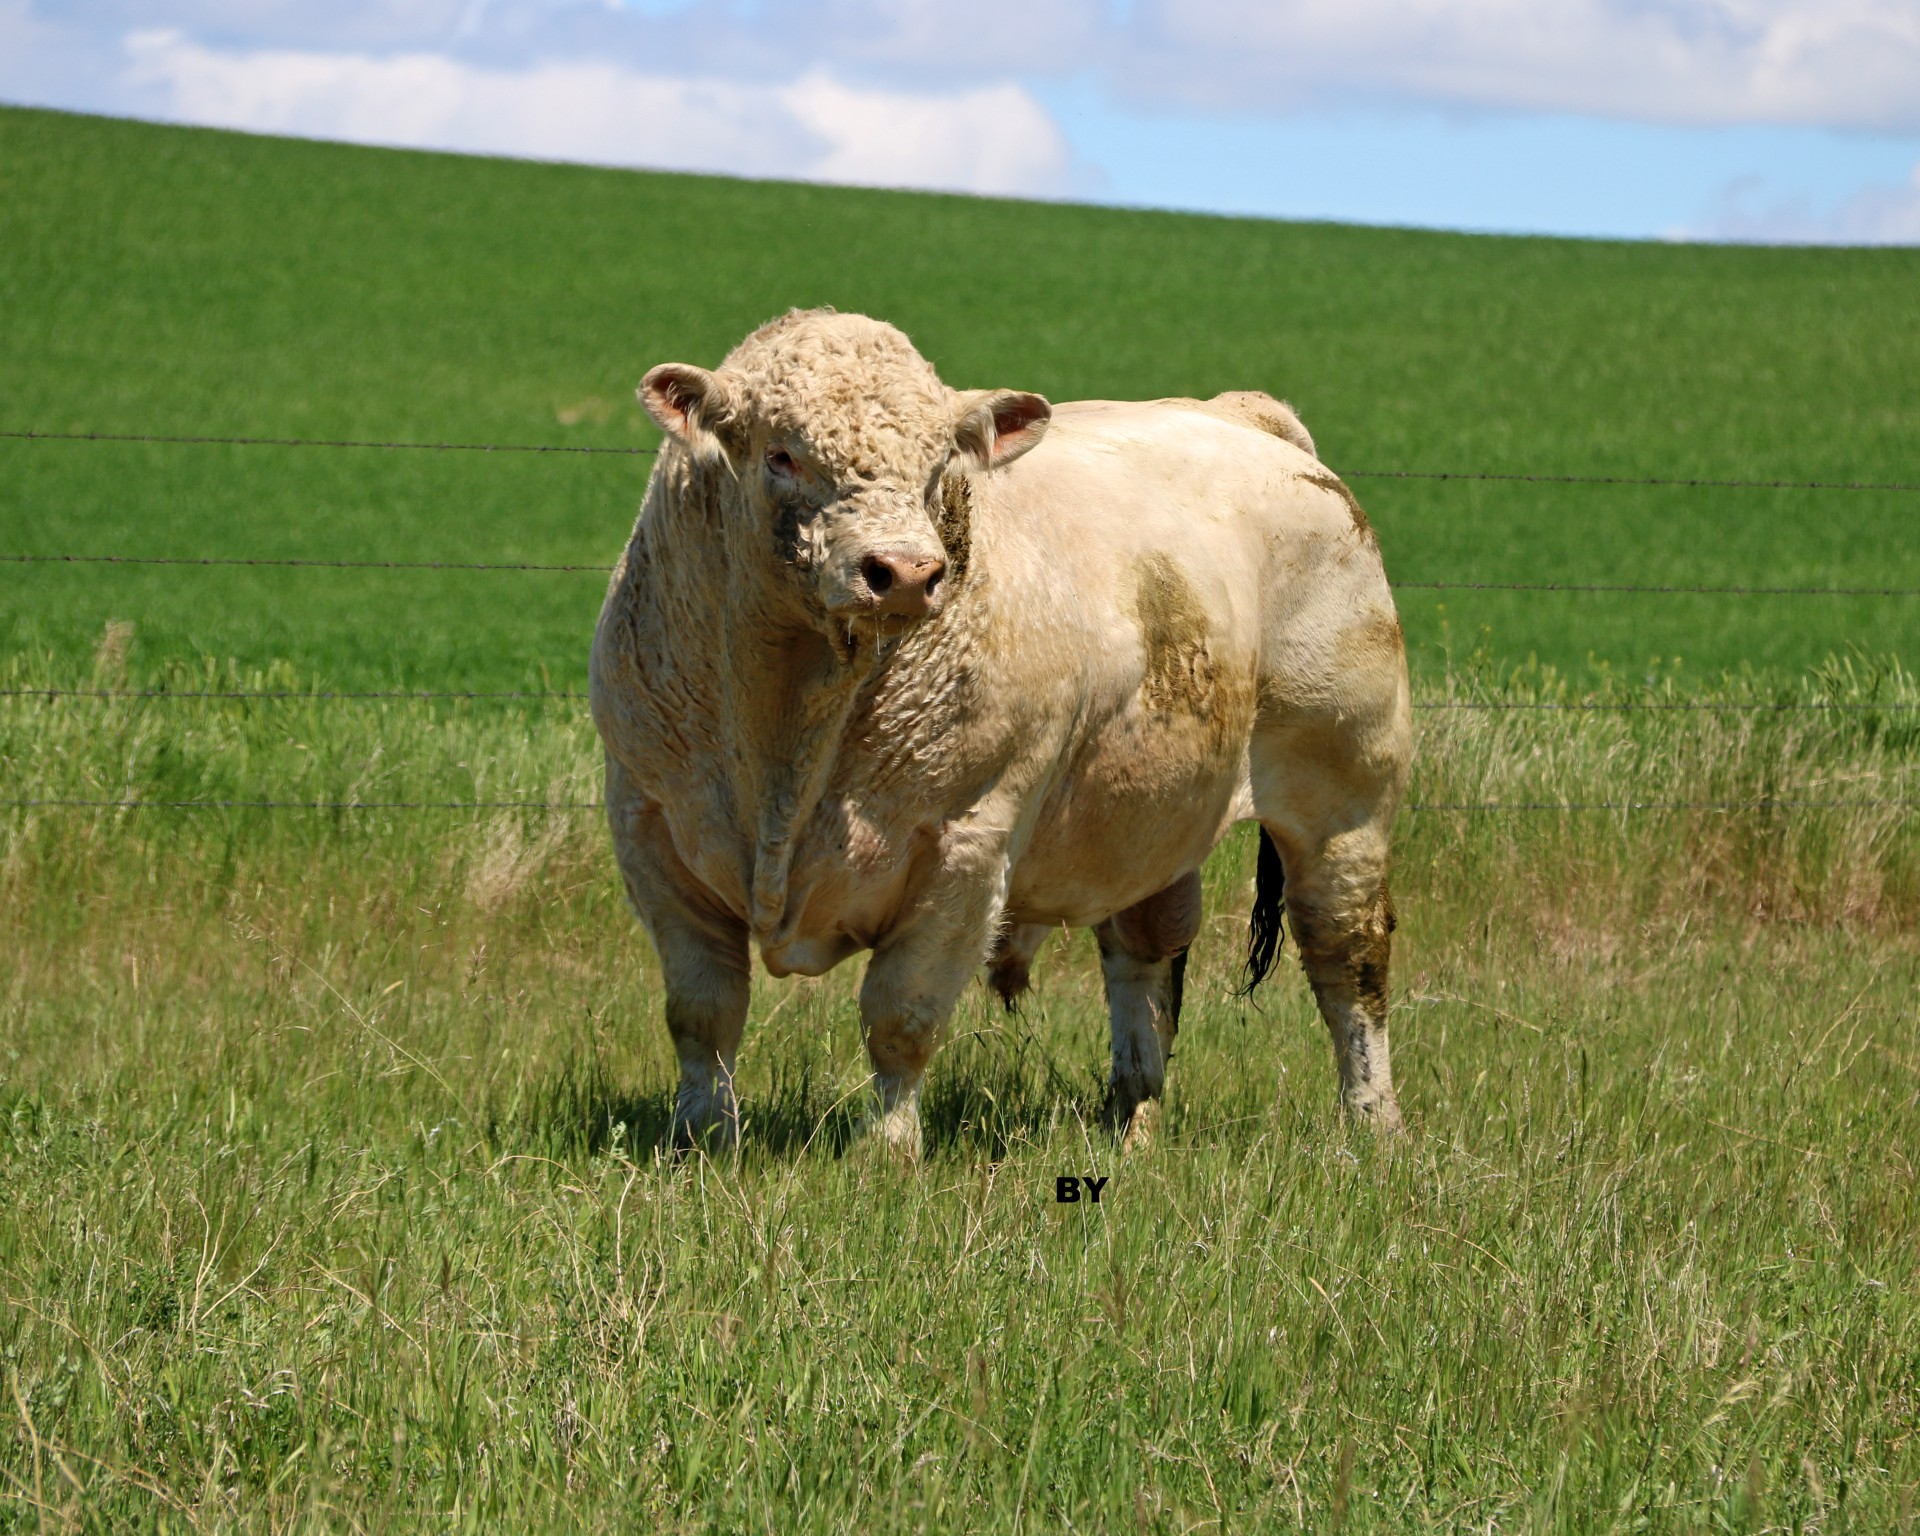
<point x="328" y="1197"/>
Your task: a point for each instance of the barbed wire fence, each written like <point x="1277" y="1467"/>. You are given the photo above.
<point x="288" y="695"/>
<point x="202" y="440"/>
<point x="563" y="695"/>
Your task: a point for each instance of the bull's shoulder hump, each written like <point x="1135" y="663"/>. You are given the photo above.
<point x="1259" y="410"/>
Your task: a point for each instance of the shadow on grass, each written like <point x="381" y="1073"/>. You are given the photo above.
<point x="999" y="1090"/>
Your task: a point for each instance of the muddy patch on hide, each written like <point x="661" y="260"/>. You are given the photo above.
<point x="792" y="541"/>
<point x="1173" y="632"/>
<point x="1185" y="681"/>
<point x="1375" y="641"/>
<point x="1372" y="956"/>
<point x="1357" y="950"/>
<point x="1339" y="488"/>
<point x="955" y="525"/>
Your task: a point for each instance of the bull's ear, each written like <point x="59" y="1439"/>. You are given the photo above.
<point x="696" y="407"/>
<point x="992" y="427"/>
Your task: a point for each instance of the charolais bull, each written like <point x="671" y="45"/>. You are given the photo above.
<point x="892" y="667"/>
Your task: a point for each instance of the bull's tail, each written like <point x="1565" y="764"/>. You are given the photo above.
<point x="1269" y="901"/>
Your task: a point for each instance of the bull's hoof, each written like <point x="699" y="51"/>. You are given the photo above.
<point x="1381" y="1116"/>
<point x="714" y="1141"/>
<point x="1137" y="1136"/>
<point x="892" y="1135"/>
<point x="892" y="1124"/>
<point x="1133" y="1117"/>
<point x="704" y="1127"/>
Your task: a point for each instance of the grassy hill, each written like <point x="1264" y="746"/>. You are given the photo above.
<point x="170" y="280"/>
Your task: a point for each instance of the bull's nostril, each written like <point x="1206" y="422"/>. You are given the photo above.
<point x="878" y="574"/>
<point x="934" y="580"/>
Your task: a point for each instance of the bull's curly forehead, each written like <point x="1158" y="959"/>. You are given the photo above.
<point x="865" y="401"/>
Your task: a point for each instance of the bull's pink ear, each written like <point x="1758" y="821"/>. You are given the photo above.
<point x="691" y="405"/>
<point x="995" y="426"/>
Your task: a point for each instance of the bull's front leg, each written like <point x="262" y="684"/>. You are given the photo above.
<point x="918" y="971"/>
<point x="704" y="963"/>
<point x="706" y="1016"/>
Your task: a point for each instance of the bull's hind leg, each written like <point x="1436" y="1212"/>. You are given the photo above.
<point x="1143" y="958"/>
<point x="1342" y="918"/>
<point x="1326" y="798"/>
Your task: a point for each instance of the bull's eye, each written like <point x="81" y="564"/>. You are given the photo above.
<point x="781" y="462"/>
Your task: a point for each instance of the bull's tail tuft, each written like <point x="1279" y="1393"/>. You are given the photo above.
<point x="1269" y="901"/>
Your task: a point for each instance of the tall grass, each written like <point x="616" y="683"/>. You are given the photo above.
<point x="1775" y="799"/>
<point x="328" y="1193"/>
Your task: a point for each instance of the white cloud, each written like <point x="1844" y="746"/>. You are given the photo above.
<point x="1874" y="215"/>
<point x="1836" y="63"/>
<point x="997" y="138"/>
<point x="985" y="139"/>
<point x="1833" y="63"/>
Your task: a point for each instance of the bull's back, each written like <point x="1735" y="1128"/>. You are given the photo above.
<point x="1146" y="518"/>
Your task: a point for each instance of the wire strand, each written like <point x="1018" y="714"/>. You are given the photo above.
<point x="1711" y="706"/>
<point x="1597" y="586"/>
<point x="305" y="805"/>
<point x="602" y="570"/>
<point x="1687" y="482"/>
<point x="1684" y="482"/>
<point x="1474" y="806"/>
<point x="186" y="694"/>
<point x="206" y="440"/>
<point x="1663" y="805"/>
<point x="372" y="565"/>
<point x="407" y="695"/>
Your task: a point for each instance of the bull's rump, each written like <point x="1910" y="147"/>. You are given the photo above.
<point x="1179" y="578"/>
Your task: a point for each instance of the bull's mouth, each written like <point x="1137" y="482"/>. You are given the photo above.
<point x="852" y="631"/>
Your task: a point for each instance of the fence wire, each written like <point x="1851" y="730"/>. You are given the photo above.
<point x="1458" y="806"/>
<point x="603" y="570"/>
<point x="1683" y="482"/>
<point x="561" y="807"/>
<point x="412" y="695"/>
<point x="342" y="565"/>
<point x="186" y="695"/>
<point x="203" y="440"/>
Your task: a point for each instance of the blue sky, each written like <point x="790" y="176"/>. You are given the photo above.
<point x="1536" y="172"/>
<point x="1779" y="120"/>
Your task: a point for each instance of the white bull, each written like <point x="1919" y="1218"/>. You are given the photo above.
<point x="873" y="675"/>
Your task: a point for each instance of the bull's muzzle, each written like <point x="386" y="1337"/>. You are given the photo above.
<point x="903" y="585"/>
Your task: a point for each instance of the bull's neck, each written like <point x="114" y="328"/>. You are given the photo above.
<point x="785" y="698"/>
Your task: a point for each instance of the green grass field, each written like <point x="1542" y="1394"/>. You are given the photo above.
<point x="177" y="281"/>
<point x="328" y="1191"/>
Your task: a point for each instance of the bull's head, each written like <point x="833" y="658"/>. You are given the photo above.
<point x="833" y="436"/>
